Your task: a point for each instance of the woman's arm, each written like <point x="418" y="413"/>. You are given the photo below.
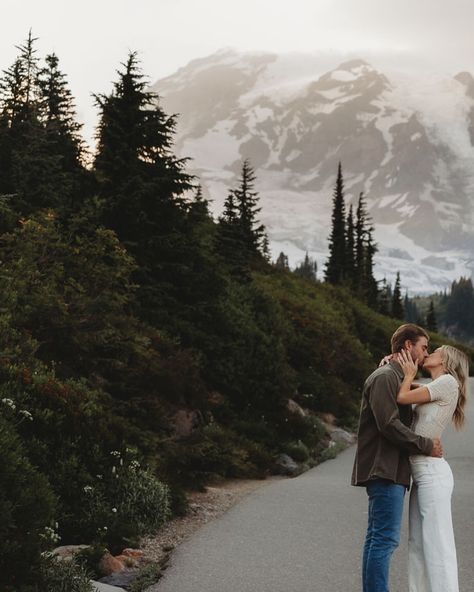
<point x="408" y="395"/>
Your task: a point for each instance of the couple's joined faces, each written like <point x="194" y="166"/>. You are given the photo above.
<point x="419" y="351"/>
<point x="434" y="359"/>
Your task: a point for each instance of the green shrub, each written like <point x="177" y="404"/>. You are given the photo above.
<point x="147" y="576"/>
<point x="27" y="510"/>
<point x="297" y="450"/>
<point x="63" y="576"/>
<point x="125" y="502"/>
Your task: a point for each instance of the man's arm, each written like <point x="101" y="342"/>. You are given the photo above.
<point x="382" y="398"/>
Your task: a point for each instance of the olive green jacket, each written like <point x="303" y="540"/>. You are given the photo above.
<point x="384" y="440"/>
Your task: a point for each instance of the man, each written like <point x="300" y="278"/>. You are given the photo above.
<point x="381" y="464"/>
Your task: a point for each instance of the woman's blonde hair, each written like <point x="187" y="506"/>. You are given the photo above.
<point x="456" y="363"/>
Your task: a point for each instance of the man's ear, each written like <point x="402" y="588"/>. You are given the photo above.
<point x="407" y="345"/>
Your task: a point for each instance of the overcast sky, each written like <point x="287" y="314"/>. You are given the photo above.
<point x="92" y="37"/>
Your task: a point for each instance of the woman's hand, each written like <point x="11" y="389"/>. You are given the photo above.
<point x="385" y="360"/>
<point x="409" y="367"/>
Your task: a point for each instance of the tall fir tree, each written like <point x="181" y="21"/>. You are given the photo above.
<point x="31" y="168"/>
<point x="242" y="239"/>
<point x="350" y="272"/>
<point x="143" y="191"/>
<point x="397" y="304"/>
<point x="282" y="261"/>
<point x="365" y="249"/>
<point x="307" y="268"/>
<point x="385" y="298"/>
<point x="335" y="272"/>
<point x="431" y="322"/>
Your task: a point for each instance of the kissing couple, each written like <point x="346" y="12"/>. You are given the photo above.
<point x="397" y="442"/>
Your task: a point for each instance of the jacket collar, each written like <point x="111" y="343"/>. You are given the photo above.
<point x="397" y="368"/>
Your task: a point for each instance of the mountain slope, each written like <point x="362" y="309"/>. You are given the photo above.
<point x="407" y="143"/>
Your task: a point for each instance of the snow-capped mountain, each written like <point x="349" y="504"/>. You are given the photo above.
<point x="407" y="142"/>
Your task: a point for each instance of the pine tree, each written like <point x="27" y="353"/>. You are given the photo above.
<point x="282" y="261"/>
<point x="431" y="323"/>
<point x="397" y="304"/>
<point x="459" y="316"/>
<point x="307" y="268"/>
<point x="365" y="249"/>
<point x="350" y="260"/>
<point x="336" y="263"/>
<point x="31" y="169"/>
<point x="384" y="298"/>
<point x="143" y="188"/>
<point x="246" y="199"/>
<point x="241" y="239"/>
<point x="142" y="183"/>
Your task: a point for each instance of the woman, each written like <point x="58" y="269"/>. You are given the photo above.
<point x="432" y="563"/>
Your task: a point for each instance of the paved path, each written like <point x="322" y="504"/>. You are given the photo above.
<point x="305" y="534"/>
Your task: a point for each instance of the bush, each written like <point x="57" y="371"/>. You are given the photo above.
<point x="125" y="502"/>
<point x="146" y="577"/>
<point x="27" y="510"/>
<point x="63" y="576"/>
<point x="297" y="450"/>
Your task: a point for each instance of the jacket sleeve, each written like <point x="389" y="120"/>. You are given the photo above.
<point x="382" y="398"/>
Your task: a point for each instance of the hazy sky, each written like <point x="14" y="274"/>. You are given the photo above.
<point x="92" y="37"/>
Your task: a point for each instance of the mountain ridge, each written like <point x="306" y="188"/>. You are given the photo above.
<point x="406" y="143"/>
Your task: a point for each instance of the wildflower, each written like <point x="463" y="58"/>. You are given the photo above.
<point x="88" y="488"/>
<point x="114" y="510"/>
<point x="26" y="414"/>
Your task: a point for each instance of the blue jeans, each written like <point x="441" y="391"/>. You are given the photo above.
<point x="383" y="533"/>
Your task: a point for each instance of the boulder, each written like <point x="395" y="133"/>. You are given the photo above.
<point x="295" y="408"/>
<point x="285" y="465"/>
<point x="67" y="552"/>
<point x="340" y="436"/>
<point x="110" y="564"/>
<point x="128" y="560"/>
<point x="132" y="553"/>
<point x="101" y="587"/>
<point x="123" y="579"/>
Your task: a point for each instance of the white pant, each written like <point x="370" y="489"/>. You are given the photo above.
<point x="432" y="562"/>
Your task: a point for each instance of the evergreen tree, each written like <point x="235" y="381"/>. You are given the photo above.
<point x="384" y="298"/>
<point x="350" y="250"/>
<point x="143" y="190"/>
<point x="142" y="183"/>
<point x="39" y="138"/>
<point x="365" y="250"/>
<point x="335" y="272"/>
<point x="459" y="316"/>
<point x="397" y="304"/>
<point x="246" y="199"/>
<point x="307" y="268"/>
<point x="242" y="240"/>
<point x="431" y="323"/>
<point x="282" y="261"/>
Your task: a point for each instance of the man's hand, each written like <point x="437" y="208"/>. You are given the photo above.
<point x="437" y="448"/>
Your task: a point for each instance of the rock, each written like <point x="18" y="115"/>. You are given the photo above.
<point x="295" y="408"/>
<point x="328" y="418"/>
<point x="67" y="552"/>
<point x="132" y="552"/>
<point x="340" y="436"/>
<point x="101" y="587"/>
<point x="127" y="560"/>
<point x="123" y="578"/>
<point x="110" y="564"/>
<point x="285" y="465"/>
